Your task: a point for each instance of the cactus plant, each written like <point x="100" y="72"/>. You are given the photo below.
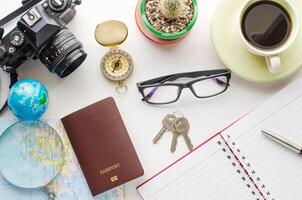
<point x="172" y="9"/>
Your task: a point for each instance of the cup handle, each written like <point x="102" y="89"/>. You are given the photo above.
<point x="274" y="63"/>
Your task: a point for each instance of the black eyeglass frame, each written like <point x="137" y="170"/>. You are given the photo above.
<point x="205" y="75"/>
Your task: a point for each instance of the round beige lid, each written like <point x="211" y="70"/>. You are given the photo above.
<point x="111" y="33"/>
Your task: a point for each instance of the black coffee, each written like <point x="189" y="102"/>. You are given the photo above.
<point x="266" y="24"/>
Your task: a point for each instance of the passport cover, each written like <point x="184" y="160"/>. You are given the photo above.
<point x="102" y="145"/>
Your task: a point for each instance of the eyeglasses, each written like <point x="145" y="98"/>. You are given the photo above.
<point x="166" y="90"/>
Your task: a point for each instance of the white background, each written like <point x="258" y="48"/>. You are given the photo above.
<point x="87" y="85"/>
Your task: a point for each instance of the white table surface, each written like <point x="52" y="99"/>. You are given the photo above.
<point x="87" y="85"/>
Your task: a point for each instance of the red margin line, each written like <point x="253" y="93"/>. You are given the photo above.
<point x="244" y="169"/>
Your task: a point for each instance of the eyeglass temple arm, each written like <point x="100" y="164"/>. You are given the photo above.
<point x="156" y="80"/>
<point x="202" y="73"/>
<point x="221" y="82"/>
<point x="151" y="93"/>
<point x="198" y="74"/>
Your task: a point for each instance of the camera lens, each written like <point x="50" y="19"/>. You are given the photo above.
<point x="63" y="54"/>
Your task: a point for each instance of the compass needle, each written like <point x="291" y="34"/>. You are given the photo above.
<point x="117" y="64"/>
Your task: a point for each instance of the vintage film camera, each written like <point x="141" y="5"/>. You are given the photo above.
<point x="41" y="33"/>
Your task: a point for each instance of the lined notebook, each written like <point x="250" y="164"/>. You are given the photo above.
<point x="240" y="163"/>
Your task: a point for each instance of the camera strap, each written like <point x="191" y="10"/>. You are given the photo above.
<point x="13" y="79"/>
<point x="12" y="71"/>
<point x="18" y="12"/>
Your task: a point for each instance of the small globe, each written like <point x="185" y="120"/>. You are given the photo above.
<point x="28" y="99"/>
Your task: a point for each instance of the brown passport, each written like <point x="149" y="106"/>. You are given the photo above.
<point x="102" y="145"/>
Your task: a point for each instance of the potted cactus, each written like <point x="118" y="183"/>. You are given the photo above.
<point x="171" y="9"/>
<point x="166" y="21"/>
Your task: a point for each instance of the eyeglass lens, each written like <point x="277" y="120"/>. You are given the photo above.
<point x="161" y="94"/>
<point x="210" y="87"/>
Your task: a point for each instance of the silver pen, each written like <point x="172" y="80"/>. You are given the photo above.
<point x="283" y="141"/>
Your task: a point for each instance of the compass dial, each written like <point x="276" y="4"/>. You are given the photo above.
<point x="117" y="65"/>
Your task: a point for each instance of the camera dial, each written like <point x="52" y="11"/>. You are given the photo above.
<point x="11" y="50"/>
<point x="57" y="5"/>
<point x="16" y="38"/>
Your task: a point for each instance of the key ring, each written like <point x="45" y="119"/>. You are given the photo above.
<point x="178" y="114"/>
<point x="121" y="87"/>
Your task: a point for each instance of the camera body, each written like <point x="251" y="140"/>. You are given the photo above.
<point x="41" y="33"/>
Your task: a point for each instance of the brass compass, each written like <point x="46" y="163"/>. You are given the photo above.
<point x="116" y="65"/>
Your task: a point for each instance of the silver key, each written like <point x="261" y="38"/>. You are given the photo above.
<point x="167" y="123"/>
<point x="174" y="140"/>
<point x="182" y="126"/>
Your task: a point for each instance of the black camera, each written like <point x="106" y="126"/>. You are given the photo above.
<point x="41" y="33"/>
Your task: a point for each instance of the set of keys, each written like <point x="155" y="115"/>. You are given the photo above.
<point x="177" y="126"/>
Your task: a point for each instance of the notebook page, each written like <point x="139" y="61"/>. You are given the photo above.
<point x="207" y="173"/>
<point x="276" y="170"/>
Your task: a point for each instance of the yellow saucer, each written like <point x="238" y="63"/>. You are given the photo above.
<point x="232" y="52"/>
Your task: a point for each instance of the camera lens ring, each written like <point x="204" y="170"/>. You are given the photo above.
<point x="76" y="58"/>
<point x="63" y="54"/>
<point x="61" y="36"/>
<point x="58" y="43"/>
